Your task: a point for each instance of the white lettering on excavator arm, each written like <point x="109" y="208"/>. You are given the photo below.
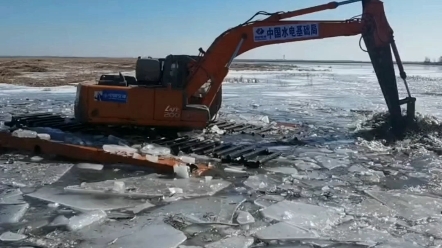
<point x="172" y="112"/>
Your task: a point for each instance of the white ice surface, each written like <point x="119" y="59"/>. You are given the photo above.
<point x="154" y="185"/>
<point x="321" y="97"/>
<point x="82" y="202"/>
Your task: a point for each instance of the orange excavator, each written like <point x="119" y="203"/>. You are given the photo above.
<point x="182" y="91"/>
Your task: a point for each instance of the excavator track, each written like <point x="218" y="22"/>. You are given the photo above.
<point x="251" y="156"/>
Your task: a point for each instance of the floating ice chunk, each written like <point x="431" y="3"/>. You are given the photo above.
<point x="117" y="149"/>
<point x="433" y="228"/>
<point x="82" y="202"/>
<point x="89" y="166"/>
<point x="154" y="185"/>
<point x="141" y="207"/>
<point x="20" y="133"/>
<point x="235" y="170"/>
<point x="244" y="218"/>
<point x="187" y="159"/>
<point x="409" y="206"/>
<point x="60" y="220"/>
<point x="175" y="191"/>
<point x="11" y="237"/>
<point x="357" y="168"/>
<point x="268" y="200"/>
<point x="369" y="207"/>
<point x="22" y="174"/>
<point x="12" y="213"/>
<point x="417" y="239"/>
<point x="303" y="215"/>
<point x="213" y="209"/>
<point x="305" y="165"/>
<point x="232" y="242"/>
<point x="215" y="129"/>
<point x="332" y="163"/>
<point x="181" y="171"/>
<point x="137" y="156"/>
<point x="283" y="170"/>
<point x="152" y="158"/>
<point x="283" y="231"/>
<point x="366" y="235"/>
<point x="119" y="187"/>
<point x="85" y="219"/>
<point x="54" y="134"/>
<point x="261" y="182"/>
<point x="53" y="205"/>
<point x="44" y="136"/>
<point x="372" y="175"/>
<point x="160" y="235"/>
<point x="11" y="196"/>
<point x="153" y="149"/>
<point x="36" y="159"/>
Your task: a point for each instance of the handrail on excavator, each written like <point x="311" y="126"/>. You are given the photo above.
<point x="213" y="64"/>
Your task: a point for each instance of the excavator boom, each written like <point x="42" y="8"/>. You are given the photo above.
<point x="213" y="65"/>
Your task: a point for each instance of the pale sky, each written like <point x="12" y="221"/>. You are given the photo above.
<point x="133" y="28"/>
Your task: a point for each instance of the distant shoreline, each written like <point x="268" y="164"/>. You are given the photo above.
<point x="236" y="60"/>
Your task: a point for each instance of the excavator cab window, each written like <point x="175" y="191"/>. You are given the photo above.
<point x="175" y="71"/>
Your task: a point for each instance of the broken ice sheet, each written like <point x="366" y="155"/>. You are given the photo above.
<point x="305" y="165"/>
<point x="285" y="231"/>
<point x="244" y="218"/>
<point x="368" y="235"/>
<point x="232" y="242"/>
<point x="11" y="195"/>
<point x="202" y="210"/>
<point x="332" y="163"/>
<point x="90" y="166"/>
<point x="150" y="231"/>
<point x="10" y="236"/>
<point x="154" y="185"/>
<point x="85" y="219"/>
<point x="409" y="206"/>
<point x="303" y="215"/>
<point x="131" y="234"/>
<point x="261" y="182"/>
<point x="154" y="149"/>
<point x="82" y="202"/>
<point x="268" y="200"/>
<point x="369" y="207"/>
<point x="283" y="170"/>
<point x="118" y="149"/>
<point x="12" y="213"/>
<point x="433" y="228"/>
<point x="32" y="174"/>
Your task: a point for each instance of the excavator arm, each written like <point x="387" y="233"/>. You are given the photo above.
<point x="213" y="65"/>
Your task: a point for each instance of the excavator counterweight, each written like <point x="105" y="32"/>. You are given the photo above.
<point x="183" y="91"/>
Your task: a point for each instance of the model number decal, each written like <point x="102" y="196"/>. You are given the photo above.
<point x="172" y="112"/>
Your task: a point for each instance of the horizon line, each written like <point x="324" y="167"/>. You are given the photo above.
<point x="239" y="60"/>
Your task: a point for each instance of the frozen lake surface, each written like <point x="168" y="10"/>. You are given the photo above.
<point x="337" y="190"/>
